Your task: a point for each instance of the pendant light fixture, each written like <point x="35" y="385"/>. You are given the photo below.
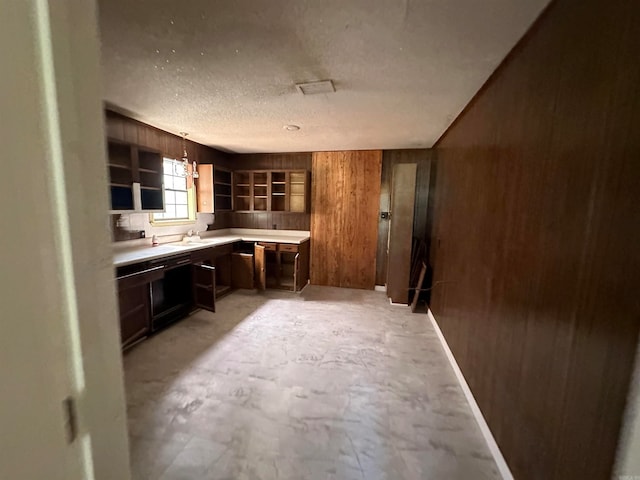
<point x="182" y="168"/>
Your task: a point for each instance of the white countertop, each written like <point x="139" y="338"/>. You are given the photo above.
<point x="131" y="255"/>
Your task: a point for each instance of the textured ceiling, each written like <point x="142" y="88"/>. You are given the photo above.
<point x="225" y="71"/>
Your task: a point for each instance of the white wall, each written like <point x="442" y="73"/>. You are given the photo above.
<point x="140" y="221"/>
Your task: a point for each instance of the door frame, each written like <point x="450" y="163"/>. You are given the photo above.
<point x="61" y="343"/>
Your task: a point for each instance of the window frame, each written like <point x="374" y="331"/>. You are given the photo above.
<point x="191" y="203"/>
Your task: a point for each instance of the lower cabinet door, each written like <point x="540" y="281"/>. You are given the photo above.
<point x="135" y="318"/>
<point x="242" y="270"/>
<point x="260" y="267"/>
<point x="204" y="286"/>
<point x="296" y="273"/>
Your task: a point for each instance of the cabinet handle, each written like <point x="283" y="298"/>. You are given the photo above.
<point x="140" y="273"/>
<point x="207" y="267"/>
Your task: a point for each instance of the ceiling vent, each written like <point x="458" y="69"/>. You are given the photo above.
<point x="311" y="88"/>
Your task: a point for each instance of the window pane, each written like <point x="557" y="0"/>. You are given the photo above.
<point x="167" y="166"/>
<point x="180" y="198"/>
<point x="169" y="196"/>
<point x="170" y="211"/>
<point x="182" y="211"/>
<point x="158" y="216"/>
<point x="180" y="183"/>
<point x="168" y="181"/>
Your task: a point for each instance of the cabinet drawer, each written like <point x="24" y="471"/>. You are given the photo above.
<point x="270" y="247"/>
<point x="288" y="247"/>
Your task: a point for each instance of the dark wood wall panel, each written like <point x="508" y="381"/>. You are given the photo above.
<point x="126" y="129"/>
<point x="269" y="161"/>
<point x="120" y="127"/>
<point x="421" y="227"/>
<point x="281" y="220"/>
<point x="537" y="236"/>
<point x="344" y="212"/>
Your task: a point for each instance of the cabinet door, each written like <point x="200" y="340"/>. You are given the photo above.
<point x="242" y="270"/>
<point x="135" y="317"/>
<point x="204" y="286"/>
<point x="260" y="267"/>
<point x="296" y="273"/>
<point x="204" y="189"/>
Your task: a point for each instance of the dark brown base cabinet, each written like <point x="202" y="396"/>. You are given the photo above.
<point x="215" y="272"/>
<point x="135" y="321"/>
<point x="134" y="300"/>
<point x="211" y="273"/>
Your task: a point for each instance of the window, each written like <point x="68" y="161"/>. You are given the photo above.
<point x="178" y="199"/>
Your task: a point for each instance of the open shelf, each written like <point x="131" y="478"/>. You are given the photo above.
<point x="270" y="190"/>
<point x="115" y="165"/>
<point x="131" y="164"/>
<point x="119" y="155"/>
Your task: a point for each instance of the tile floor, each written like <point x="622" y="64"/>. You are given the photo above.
<point x="328" y="384"/>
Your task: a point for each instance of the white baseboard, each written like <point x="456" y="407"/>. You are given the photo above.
<point x="503" y="468"/>
<point x="395" y="304"/>
<point x="380" y="288"/>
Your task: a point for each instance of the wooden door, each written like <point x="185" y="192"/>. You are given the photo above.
<point x="403" y="192"/>
<point x="345" y="194"/>
<point x="204" y="286"/>
<point x="260" y="270"/>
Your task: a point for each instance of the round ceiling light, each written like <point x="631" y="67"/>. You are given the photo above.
<point x="291" y="128"/>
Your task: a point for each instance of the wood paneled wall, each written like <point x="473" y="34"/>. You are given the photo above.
<point x="271" y="161"/>
<point x="538" y="226"/>
<point x="281" y="220"/>
<point x="268" y="161"/>
<point x="120" y="127"/>
<point x="421" y="222"/>
<point x="126" y="129"/>
<point x="344" y="218"/>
